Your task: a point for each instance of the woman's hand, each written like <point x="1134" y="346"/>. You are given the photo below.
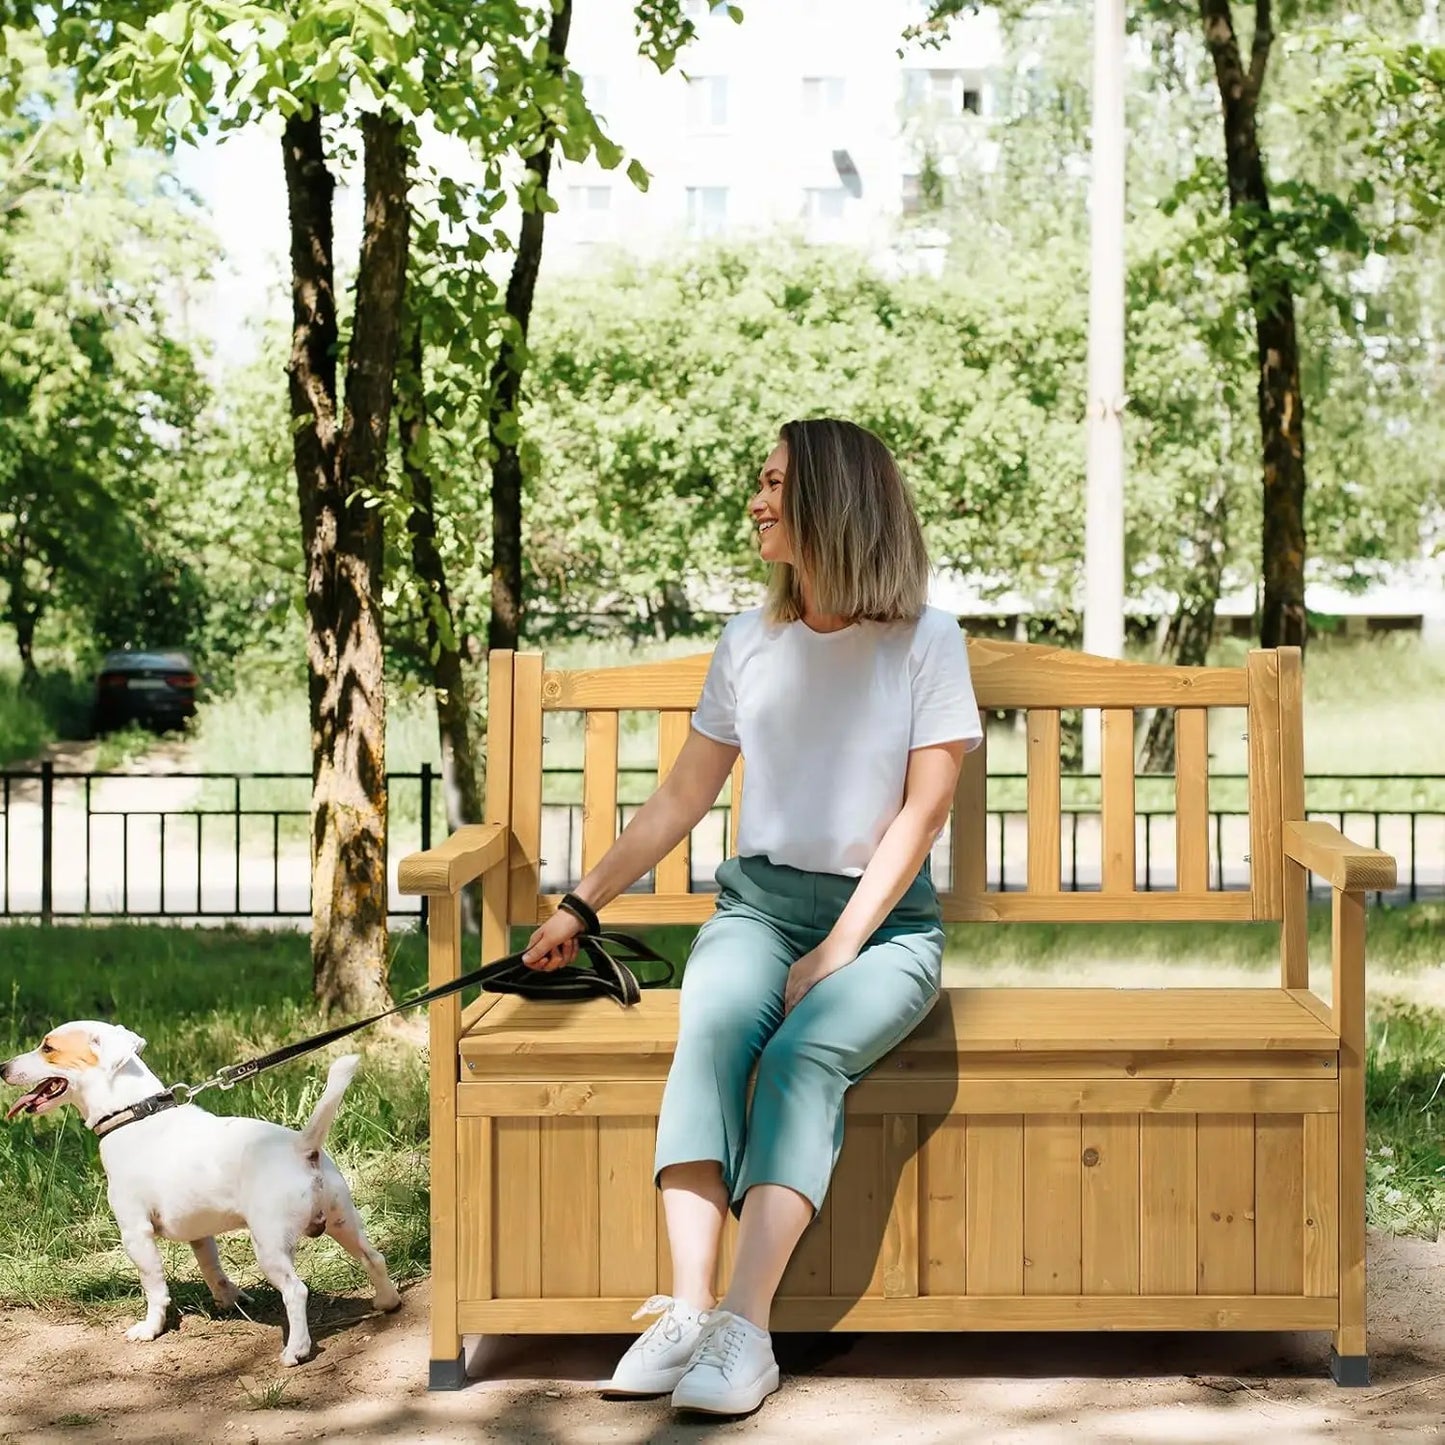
<point x="554" y="944"/>
<point x="812" y="968"/>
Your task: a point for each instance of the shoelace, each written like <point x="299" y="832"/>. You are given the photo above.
<point x="722" y="1338"/>
<point x="667" y="1326"/>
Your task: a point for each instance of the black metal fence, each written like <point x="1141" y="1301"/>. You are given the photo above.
<point x="206" y="846"/>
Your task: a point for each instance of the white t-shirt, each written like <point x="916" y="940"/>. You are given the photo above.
<point x="825" y="722"/>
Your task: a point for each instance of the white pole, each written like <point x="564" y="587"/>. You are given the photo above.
<point x="1104" y="505"/>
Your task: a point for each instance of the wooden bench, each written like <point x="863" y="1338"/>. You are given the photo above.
<point x="1031" y="1159"/>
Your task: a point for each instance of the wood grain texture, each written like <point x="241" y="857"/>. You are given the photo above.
<point x="526" y="787"/>
<point x="1117" y="817"/>
<point x="993" y="1241"/>
<point x="1322" y="1205"/>
<point x="1279" y="1247"/>
<point x="1053" y="1238"/>
<point x="627" y="1206"/>
<point x="1266" y="782"/>
<point x="943" y="1166"/>
<point x="518" y="1150"/>
<point x="1226" y="1204"/>
<point x="1294" y="956"/>
<point x="1045" y="816"/>
<point x="1347" y="949"/>
<point x="474" y="1217"/>
<point x="1169" y="1204"/>
<point x="673" y="871"/>
<point x="1110" y="1206"/>
<point x="969" y="838"/>
<point x="599" y="787"/>
<point x="571" y="1226"/>
<point x="1191" y="799"/>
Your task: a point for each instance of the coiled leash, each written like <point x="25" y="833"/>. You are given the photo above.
<point x="610" y="976"/>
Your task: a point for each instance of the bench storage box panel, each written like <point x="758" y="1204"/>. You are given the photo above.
<point x="1031" y="1158"/>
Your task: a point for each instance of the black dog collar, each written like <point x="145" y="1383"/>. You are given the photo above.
<point x="134" y="1113"/>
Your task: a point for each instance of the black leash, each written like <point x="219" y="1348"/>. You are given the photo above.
<point x="610" y="954"/>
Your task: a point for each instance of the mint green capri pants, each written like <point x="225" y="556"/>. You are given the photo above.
<point x="731" y="1019"/>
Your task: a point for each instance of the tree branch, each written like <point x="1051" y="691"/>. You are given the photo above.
<point x="1259" y="51"/>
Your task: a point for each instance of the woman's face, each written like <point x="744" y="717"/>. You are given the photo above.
<point x="766" y="508"/>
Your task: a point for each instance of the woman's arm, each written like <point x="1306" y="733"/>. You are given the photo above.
<point x="663" y="821"/>
<point x="927" y="796"/>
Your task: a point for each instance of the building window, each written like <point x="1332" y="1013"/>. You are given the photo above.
<point x="822" y="96"/>
<point x="707" y="103"/>
<point x="594" y="88"/>
<point x="943" y="92"/>
<point x="593" y="199"/>
<point x="824" y="203"/>
<point x="707" y="210"/>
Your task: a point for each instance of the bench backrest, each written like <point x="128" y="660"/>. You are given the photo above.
<point x="1039" y="681"/>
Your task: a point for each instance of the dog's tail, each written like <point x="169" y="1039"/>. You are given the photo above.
<point x="313" y="1136"/>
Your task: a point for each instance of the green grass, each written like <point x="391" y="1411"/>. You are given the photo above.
<point x="55" y="707"/>
<point x="208" y="997"/>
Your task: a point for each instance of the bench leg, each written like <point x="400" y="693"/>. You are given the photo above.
<point x="1349" y="1370"/>
<point x="447" y="1374"/>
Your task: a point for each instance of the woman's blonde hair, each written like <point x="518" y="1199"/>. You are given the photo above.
<point x="853" y="527"/>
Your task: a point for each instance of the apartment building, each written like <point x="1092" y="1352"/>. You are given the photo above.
<point x="805" y="117"/>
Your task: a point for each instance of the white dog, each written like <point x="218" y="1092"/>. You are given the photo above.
<point x="186" y="1174"/>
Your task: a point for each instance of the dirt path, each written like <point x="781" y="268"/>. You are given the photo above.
<point x="71" y="1382"/>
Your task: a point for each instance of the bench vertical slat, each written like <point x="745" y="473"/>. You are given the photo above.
<point x="1266" y="826"/>
<point x="858" y="1229"/>
<point x="900" y="1240"/>
<point x="496" y="881"/>
<point x="1279" y="1167"/>
<point x="474" y="1245"/>
<point x="993" y="1191"/>
<point x="526" y="786"/>
<point x="599" y="786"/>
<point x="1322" y="1204"/>
<point x="1111" y="1203"/>
<point x="1347" y="948"/>
<point x="735" y="807"/>
<point x="1294" y="941"/>
<point x="810" y="1270"/>
<point x="673" y="871"/>
<point x="1169" y="1204"/>
<point x="942" y="1191"/>
<point x="968" y="840"/>
<point x="1044" y="800"/>
<point x="571" y="1264"/>
<point x="1053" y="1228"/>
<point x="1191" y="799"/>
<point x="518" y="1265"/>
<point x="1226" y="1204"/>
<point x="444" y="944"/>
<point x="1117" y="762"/>
<point x="627" y="1207"/>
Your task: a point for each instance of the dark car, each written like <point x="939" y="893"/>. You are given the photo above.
<point x="157" y="690"/>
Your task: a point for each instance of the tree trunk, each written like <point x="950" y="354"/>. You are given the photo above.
<point x="337" y="463"/>
<point x="461" y="772"/>
<point x="1281" y="403"/>
<point x="506" y="383"/>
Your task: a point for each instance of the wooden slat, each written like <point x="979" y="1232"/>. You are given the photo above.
<point x="1266" y="808"/>
<point x="900" y="1239"/>
<point x="496" y="882"/>
<point x="673" y="872"/>
<point x="1022" y="675"/>
<point x="647" y="687"/>
<point x="1110" y="1205"/>
<point x="1191" y="799"/>
<point x="1347" y="948"/>
<point x="526" y="787"/>
<point x="735" y="812"/>
<point x="599" y="788"/>
<point x="1044" y="800"/>
<point x="810" y="1270"/>
<point x="570" y="1224"/>
<point x="1322" y="1205"/>
<point x="444" y="943"/>
<point x="993" y="1242"/>
<point x="1226" y="1204"/>
<point x="1345" y="865"/>
<point x="858" y="1229"/>
<point x="474" y="1223"/>
<point x="1032" y="1313"/>
<point x="1294" y="954"/>
<point x="1168" y="1205"/>
<point x="936" y="1094"/>
<point x="627" y="1206"/>
<point x="969" y="838"/>
<point x="518" y="1149"/>
<point x="1053" y="1238"/>
<point x="1279" y="1204"/>
<point x="453" y="864"/>
<point x="942" y="1180"/>
<point x="635" y="908"/>
<point x="1117" y="763"/>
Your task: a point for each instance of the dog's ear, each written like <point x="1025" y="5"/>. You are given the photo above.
<point x="116" y="1046"/>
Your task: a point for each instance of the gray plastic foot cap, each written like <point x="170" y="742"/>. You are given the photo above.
<point x="447" y="1374"/>
<point x="1352" y="1370"/>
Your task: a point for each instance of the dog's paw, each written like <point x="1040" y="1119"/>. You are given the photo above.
<point x="229" y="1295"/>
<point x="388" y="1300"/>
<point x="291" y="1358"/>
<point x="144" y="1330"/>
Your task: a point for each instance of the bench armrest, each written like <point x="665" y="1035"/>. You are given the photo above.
<point x="1323" y="849"/>
<point x="450" y="866"/>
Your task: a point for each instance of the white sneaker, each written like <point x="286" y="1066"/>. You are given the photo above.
<point x="733" y="1370"/>
<point x="659" y="1357"/>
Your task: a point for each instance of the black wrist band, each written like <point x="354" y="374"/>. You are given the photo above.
<point x="582" y="911"/>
